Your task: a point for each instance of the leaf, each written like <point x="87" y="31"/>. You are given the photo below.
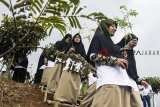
<point x="67" y="11"/>
<point x="21" y="4"/>
<point x="21" y="16"/>
<point x="5" y="3"/>
<point x="36" y="6"/>
<point x="123" y="7"/>
<point x="50" y="31"/>
<point x="133" y="13"/>
<point x="44" y="14"/>
<point x="61" y="31"/>
<point x="85" y="16"/>
<point x="75" y="2"/>
<point x="78" y="24"/>
<point x="38" y="3"/>
<point x="74" y="10"/>
<point x="47" y="26"/>
<point x="53" y="1"/>
<point x="21" y="9"/>
<point x="74" y="22"/>
<point x="33" y="10"/>
<point x="42" y="1"/>
<point x="59" y="26"/>
<point x="79" y="10"/>
<point x="70" y="20"/>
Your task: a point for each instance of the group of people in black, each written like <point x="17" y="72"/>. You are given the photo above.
<point x="59" y="78"/>
<point x="67" y="45"/>
<point x="115" y="64"/>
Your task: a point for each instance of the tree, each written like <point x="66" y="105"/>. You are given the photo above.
<point x="125" y="22"/>
<point x="155" y="84"/>
<point x="32" y="21"/>
<point x="50" y="14"/>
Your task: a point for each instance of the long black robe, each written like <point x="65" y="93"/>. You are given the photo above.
<point x="132" y="69"/>
<point x="39" y="72"/>
<point x="59" y="45"/>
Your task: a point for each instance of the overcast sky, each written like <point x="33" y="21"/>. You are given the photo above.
<point x="146" y="26"/>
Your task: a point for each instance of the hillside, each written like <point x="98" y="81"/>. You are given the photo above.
<point x="14" y="94"/>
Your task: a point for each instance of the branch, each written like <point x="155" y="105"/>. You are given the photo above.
<point x="7" y="51"/>
<point x="34" y="23"/>
<point x="13" y="15"/>
<point x="30" y="47"/>
<point x="5" y="3"/>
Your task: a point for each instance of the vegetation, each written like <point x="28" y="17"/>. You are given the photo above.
<point x="155" y="83"/>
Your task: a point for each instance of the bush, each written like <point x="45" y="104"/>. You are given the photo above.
<point x="155" y="83"/>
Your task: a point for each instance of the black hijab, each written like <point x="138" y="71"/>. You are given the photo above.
<point x="62" y="45"/>
<point x="79" y="47"/>
<point x="102" y="42"/>
<point x="132" y="69"/>
<point x="22" y="61"/>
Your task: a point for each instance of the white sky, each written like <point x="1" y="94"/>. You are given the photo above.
<point x="146" y="26"/>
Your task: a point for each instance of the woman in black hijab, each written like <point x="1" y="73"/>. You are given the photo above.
<point x="62" y="46"/>
<point x="77" y="45"/>
<point x="20" y="70"/>
<point x="69" y="84"/>
<point x="127" y="44"/>
<point x="128" y="53"/>
<point x="55" y="70"/>
<point x="102" y="43"/>
<point x="113" y="82"/>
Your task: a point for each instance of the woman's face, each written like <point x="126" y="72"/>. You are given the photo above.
<point x="112" y="29"/>
<point x="77" y="39"/>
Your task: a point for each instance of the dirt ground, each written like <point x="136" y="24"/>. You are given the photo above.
<point x="14" y="94"/>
